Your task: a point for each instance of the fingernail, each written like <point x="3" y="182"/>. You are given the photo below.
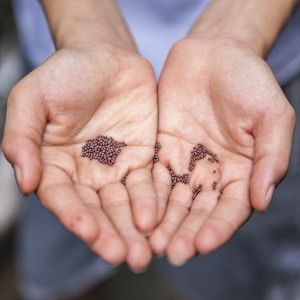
<point x="18" y="176"/>
<point x="269" y="196"/>
<point x="138" y="271"/>
<point x="176" y="263"/>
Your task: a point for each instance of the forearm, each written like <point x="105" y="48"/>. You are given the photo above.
<point x="256" y="23"/>
<point x="73" y="22"/>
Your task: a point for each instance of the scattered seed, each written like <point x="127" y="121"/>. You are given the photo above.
<point x="123" y="180"/>
<point x="200" y="152"/>
<point x="184" y="178"/>
<point x="196" y="191"/>
<point x="156" y="150"/>
<point x="214" y="185"/>
<point x="220" y="194"/>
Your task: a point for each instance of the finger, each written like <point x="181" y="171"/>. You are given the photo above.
<point x="182" y="245"/>
<point x="143" y="199"/>
<point x="115" y="203"/>
<point x="109" y="245"/>
<point x="162" y="186"/>
<point x="177" y="209"/>
<point x="87" y="221"/>
<point x="58" y="194"/>
<point x="271" y="158"/>
<point x="25" y="122"/>
<point x="232" y="210"/>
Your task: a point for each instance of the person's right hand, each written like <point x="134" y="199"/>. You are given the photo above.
<point x="77" y="94"/>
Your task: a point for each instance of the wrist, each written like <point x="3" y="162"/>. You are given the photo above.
<point x="86" y="22"/>
<point x="254" y="23"/>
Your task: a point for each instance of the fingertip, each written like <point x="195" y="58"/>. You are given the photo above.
<point x="19" y="178"/>
<point x="27" y="176"/>
<point x="206" y="241"/>
<point x="263" y="182"/>
<point x="146" y="221"/>
<point x="269" y="196"/>
<point x="176" y="263"/>
<point x="139" y="257"/>
<point x="158" y="242"/>
<point x="262" y="206"/>
<point x="138" y="271"/>
<point x="180" y="250"/>
<point x="271" y="158"/>
<point x="83" y="225"/>
<point x="24" y="157"/>
<point x="144" y="208"/>
<point x="115" y="251"/>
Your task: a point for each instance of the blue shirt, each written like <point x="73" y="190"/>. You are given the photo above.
<point x="156" y="25"/>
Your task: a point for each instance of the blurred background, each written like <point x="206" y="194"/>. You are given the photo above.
<point x="11" y="69"/>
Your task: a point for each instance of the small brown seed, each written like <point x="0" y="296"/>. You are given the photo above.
<point x="196" y="191"/>
<point x="156" y="150"/>
<point x="200" y="152"/>
<point x="104" y="149"/>
<point x="214" y="185"/>
<point x="123" y="180"/>
<point x="177" y="178"/>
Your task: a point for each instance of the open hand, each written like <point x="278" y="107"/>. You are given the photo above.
<point x="217" y="93"/>
<point x="76" y="95"/>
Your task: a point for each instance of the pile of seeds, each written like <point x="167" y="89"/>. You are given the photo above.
<point x="178" y="178"/>
<point x="104" y="149"/>
<point x="200" y="152"/>
<point x="156" y="150"/>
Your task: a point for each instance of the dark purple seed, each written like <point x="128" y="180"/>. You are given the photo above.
<point x="123" y="180"/>
<point x="104" y="149"/>
<point x="157" y="147"/>
<point x="196" y="191"/>
<point x="214" y="185"/>
<point x="200" y="152"/>
<point x="220" y="193"/>
<point x="177" y="178"/>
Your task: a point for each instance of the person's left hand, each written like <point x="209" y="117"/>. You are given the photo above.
<point x="220" y="94"/>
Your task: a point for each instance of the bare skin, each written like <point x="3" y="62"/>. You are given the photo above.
<point x="96" y="83"/>
<point x="232" y="115"/>
<point x="215" y="89"/>
<point x="74" y="96"/>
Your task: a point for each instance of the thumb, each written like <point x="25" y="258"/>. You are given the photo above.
<point x="273" y="143"/>
<point x="24" y="125"/>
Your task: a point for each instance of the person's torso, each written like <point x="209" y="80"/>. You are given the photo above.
<point x="156" y="25"/>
